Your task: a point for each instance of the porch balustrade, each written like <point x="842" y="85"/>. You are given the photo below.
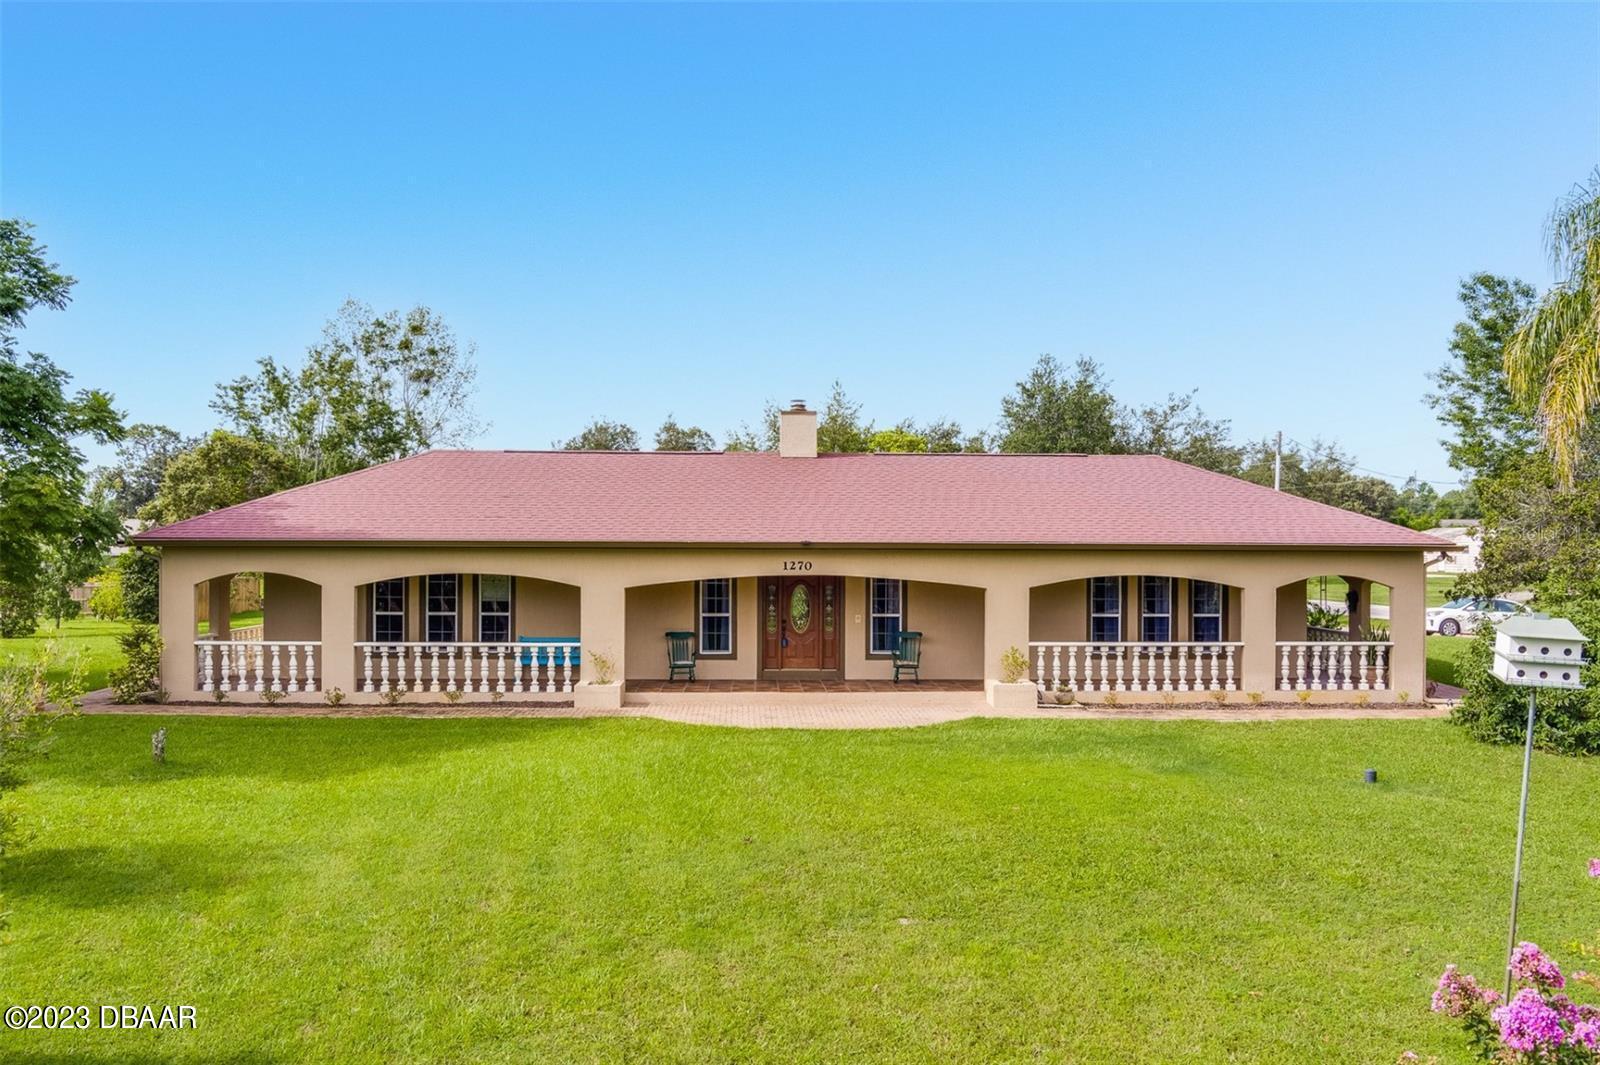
<point x="466" y="667"/>
<point x="1134" y="667"/>
<point x="257" y="665"/>
<point x="1342" y="665"/>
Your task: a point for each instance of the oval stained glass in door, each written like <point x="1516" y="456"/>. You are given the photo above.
<point x="800" y="609"/>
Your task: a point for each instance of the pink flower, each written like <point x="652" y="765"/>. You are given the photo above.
<point x="1459" y="993"/>
<point x="1528" y="1023"/>
<point x="1587" y="1033"/>
<point x="1530" y="965"/>
<point x="1594" y="868"/>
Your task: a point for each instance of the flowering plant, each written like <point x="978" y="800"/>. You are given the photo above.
<point x="1540" y="1024"/>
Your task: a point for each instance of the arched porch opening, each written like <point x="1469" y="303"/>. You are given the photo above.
<point x="480" y="633"/>
<point x="805" y="628"/>
<point x="1333" y="634"/>
<point x="257" y="631"/>
<point x="1121" y="632"/>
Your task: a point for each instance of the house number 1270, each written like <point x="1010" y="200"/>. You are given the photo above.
<point x="796" y="564"/>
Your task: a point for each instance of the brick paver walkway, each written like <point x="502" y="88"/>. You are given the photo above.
<point x="861" y="712"/>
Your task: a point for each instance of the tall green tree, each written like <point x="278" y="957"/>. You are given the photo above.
<point x="902" y="439"/>
<point x="1325" y="473"/>
<point x="841" y="428"/>
<point x="602" y="435"/>
<point x="674" y="437"/>
<point x="223" y="470"/>
<point x="746" y="438"/>
<point x="1488" y="425"/>
<point x="1178" y="429"/>
<point x="1554" y="359"/>
<point x="143" y="455"/>
<point x="1055" y="410"/>
<point x="377" y="387"/>
<point x="45" y="511"/>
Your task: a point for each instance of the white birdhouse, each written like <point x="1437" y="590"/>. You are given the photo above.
<point x="1539" y="653"/>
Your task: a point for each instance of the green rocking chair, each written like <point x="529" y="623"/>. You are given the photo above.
<point x="908" y="655"/>
<point x="680" y="655"/>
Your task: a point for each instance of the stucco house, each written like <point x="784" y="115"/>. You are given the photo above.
<point x="478" y="575"/>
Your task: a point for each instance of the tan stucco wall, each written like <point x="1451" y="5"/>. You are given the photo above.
<point x="603" y="575"/>
<point x="949" y="616"/>
<point x="1059" y="611"/>
<point x="292" y="608"/>
<point x="544" y="608"/>
<point x="1291" y="600"/>
<point x="655" y="609"/>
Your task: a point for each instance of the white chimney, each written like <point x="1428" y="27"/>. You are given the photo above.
<point x="797" y="431"/>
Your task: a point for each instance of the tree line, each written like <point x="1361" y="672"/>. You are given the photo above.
<point x="1059" y="409"/>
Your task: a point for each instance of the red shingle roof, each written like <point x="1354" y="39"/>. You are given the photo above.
<point x="761" y="498"/>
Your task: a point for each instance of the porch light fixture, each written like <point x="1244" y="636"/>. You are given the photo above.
<point x="1533" y="653"/>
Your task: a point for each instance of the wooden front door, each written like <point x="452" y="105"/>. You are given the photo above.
<point x="800" y="623"/>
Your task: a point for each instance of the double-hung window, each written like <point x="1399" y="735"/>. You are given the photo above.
<point x="716" y="616"/>
<point x="1155" y="615"/>
<point x="1105" y="609"/>
<point x="1205" y="605"/>
<point x="442" y="602"/>
<point x="886" y="601"/>
<point x="494" y="608"/>
<point x="389" y="610"/>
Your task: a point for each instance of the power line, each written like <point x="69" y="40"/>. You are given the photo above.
<point x="1375" y="473"/>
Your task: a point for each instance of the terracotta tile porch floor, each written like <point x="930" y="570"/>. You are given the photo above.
<point x="910" y="686"/>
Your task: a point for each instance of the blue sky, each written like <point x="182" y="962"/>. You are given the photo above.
<point x="637" y="210"/>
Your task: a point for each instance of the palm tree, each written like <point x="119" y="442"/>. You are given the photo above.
<point x="1554" y="359"/>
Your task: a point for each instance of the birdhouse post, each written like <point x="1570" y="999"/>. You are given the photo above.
<point x="1534" y="653"/>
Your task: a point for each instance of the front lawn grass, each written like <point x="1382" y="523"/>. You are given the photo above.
<point x="92" y="640"/>
<point x="392" y="890"/>
<point x="1444" y="657"/>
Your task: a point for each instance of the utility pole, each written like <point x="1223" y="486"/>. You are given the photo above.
<point x="1277" y="463"/>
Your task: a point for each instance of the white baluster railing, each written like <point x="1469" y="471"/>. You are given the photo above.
<point x="484" y="667"/>
<point x="1132" y="666"/>
<point x="257" y="665"/>
<point x="1327" y="665"/>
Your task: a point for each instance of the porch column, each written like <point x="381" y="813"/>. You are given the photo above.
<point x="1359" y="618"/>
<point x="602" y="629"/>
<point x="219" y="605"/>
<point x="1408" y="657"/>
<point x="1005" y="624"/>
<point x="337" y="662"/>
<point x="176" y="616"/>
<point x="1258" y="669"/>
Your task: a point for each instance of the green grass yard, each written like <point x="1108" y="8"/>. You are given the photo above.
<point x="1439" y="586"/>
<point x="92" y="640"/>
<point x="630" y="890"/>
<point x="1444" y="657"/>
<point x="235" y="621"/>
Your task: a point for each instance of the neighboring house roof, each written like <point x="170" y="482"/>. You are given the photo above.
<point x="762" y="498"/>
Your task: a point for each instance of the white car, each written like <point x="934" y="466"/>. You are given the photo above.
<point x="1464" y="615"/>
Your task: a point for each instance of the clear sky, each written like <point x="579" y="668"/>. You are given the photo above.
<point x="637" y="210"/>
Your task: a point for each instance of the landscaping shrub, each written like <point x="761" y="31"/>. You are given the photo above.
<point x="138" y="676"/>
<point x="1013" y="666"/>
<point x="141" y="584"/>
<point x="1322" y="617"/>
<point x="1568" y="722"/>
<point x="106" y="599"/>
